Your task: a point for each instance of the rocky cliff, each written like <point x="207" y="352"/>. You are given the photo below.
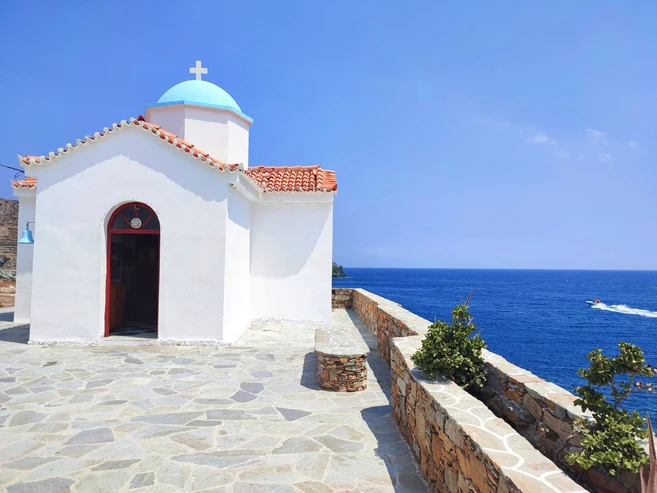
<point x="337" y="271"/>
<point x="8" y="233"/>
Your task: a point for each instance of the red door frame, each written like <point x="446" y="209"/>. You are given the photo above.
<point x="110" y="232"/>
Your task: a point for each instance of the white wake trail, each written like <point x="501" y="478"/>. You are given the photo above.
<point x="624" y="309"/>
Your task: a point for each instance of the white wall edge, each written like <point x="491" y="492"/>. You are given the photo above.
<point x="24" y="192"/>
<point x="297" y="197"/>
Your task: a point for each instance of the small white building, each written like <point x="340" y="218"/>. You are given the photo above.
<point x="158" y="227"/>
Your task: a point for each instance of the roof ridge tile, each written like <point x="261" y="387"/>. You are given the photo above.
<point x="292" y="178"/>
<point x="31" y="160"/>
<point x="298" y="178"/>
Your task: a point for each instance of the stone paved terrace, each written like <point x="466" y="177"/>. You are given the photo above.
<point x="248" y="418"/>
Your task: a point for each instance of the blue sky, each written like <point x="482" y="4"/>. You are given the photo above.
<point x="463" y="134"/>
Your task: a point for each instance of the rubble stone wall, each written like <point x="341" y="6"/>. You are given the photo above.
<point x="460" y="444"/>
<point x="341" y="298"/>
<point x="386" y="319"/>
<point x="545" y="414"/>
<point x="341" y="359"/>
<point x="541" y="412"/>
<point x="342" y="374"/>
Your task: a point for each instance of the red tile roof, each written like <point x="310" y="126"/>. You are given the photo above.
<point x="28" y="182"/>
<point x="140" y="122"/>
<point x="293" y="178"/>
<point x="268" y="178"/>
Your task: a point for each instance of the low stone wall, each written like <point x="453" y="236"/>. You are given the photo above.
<point x="460" y="444"/>
<point x="541" y="412"/>
<point x="544" y="413"/>
<point x="386" y="319"/>
<point x="341" y="298"/>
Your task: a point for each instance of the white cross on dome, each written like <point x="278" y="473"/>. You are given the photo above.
<point x="198" y="70"/>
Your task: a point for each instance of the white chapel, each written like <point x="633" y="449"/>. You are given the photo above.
<point x="158" y="227"/>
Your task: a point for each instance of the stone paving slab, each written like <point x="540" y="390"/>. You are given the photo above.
<point x="247" y="418"/>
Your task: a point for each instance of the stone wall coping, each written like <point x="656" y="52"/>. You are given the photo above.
<point x="559" y="400"/>
<point x="341" y="342"/>
<point x="414" y="322"/>
<point x="517" y="459"/>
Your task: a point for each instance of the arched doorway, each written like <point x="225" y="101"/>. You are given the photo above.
<point x="133" y="272"/>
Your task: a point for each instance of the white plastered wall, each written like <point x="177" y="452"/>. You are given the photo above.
<point x="220" y="133"/>
<point x="291" y="253"/>
<point x="24" y="256"/>
<point x="170" y="118"/>
<point x="76" y="195"/>
<point x="237" y="301"/>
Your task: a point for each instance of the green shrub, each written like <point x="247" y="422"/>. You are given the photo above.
<point x="611" y="441"/>
<point x="451" y="350"/>
<point x="648" y="474"/>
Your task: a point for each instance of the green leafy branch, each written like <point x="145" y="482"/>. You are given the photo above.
<point x="450" y="350"/>
<point x="611" y="439"/>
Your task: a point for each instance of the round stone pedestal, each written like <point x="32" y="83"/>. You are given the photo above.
<point x="341" y="359"/>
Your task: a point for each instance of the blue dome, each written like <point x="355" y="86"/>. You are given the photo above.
<point x="200" y="93"/>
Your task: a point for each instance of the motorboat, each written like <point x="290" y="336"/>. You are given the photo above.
<point x="594" y="302"/>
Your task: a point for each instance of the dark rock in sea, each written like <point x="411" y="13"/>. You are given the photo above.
<point x="337" y="271"/>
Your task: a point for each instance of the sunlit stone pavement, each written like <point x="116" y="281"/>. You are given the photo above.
<point x="249" y="418"/>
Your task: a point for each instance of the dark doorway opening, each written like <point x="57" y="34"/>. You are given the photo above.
<point x="133" y="272"/>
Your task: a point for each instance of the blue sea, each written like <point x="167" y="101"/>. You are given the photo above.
<point x="538" y="320"/>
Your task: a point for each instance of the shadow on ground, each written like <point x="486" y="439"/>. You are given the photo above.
<point x="392" y="448"/>
<point x="309" y="377"/>
<point x="19" y="334"/>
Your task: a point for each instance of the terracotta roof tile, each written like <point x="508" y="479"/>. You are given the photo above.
<point x="139" y="122"/>
<point x="28" y="182"/>
<point x="293" y="178"/>
<point x="268" y="178"/>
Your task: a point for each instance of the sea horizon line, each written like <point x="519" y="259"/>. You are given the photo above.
<point x="553" y="269"/>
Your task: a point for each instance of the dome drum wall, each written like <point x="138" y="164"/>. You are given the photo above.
<point x="205" y="116"/>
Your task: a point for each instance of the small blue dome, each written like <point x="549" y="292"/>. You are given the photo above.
<point x="201" y="93"/>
